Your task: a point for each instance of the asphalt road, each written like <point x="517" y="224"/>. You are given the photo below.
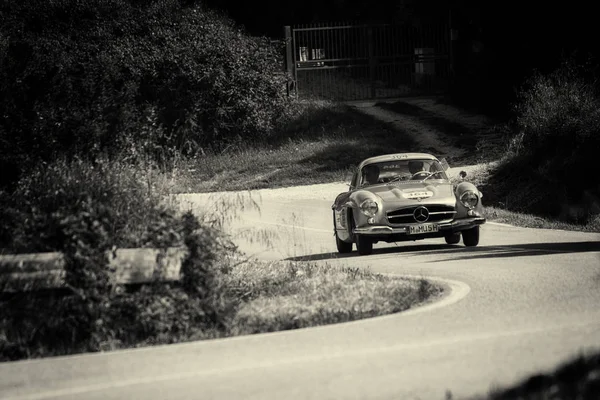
<point x="521" y="302"/>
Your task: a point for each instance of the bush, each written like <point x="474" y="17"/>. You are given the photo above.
<point x="548" y="169"/>
<point x="557" y="118"/>
<point x="85" y="210"/>
<point x="92" y="94"/>
<point x="66" y="200"/>
<point x="87" y="77"/>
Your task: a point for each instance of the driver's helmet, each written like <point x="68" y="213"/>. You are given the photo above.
<point x="415" y="166"/>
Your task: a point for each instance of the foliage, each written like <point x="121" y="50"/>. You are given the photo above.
<point x="548" y="168"/>
<point x="101" y="203"/>
<point x="558" y="117"/>
<point x="158" y="77"/>
<point x="85" y="211"/>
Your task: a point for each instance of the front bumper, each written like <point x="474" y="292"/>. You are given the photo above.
<point x="444" y="228"/>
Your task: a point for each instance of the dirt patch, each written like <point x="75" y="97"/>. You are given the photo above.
<point x="442" y="129"/>
<point x="426" y="139"/>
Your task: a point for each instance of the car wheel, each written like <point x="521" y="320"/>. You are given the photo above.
<point x="364" y="245"/>
<point x="453" y="238"/>
<point x="343" y="247"/>
<point x="471" y="237"/>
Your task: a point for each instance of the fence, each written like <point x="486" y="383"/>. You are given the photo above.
<point x="352" y="62"/>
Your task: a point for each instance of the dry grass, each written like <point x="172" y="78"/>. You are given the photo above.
<point x="281" y="296"/>
<point x="318" y="145"/>
<point x="324" y="139"/>
<point x="533" y="221"/>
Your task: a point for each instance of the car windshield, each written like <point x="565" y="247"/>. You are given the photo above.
<point x="401" y="171"/>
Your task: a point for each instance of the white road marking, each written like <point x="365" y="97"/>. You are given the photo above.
<point x="302" y="359"/>
<point x="500" y="224"/>
<point x="292" y="226"/>
<point x="458" y="291"/>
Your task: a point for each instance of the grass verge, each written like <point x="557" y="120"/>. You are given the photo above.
<point x="533" y="221"/>
<point x="282" y="296"/>
<point x="321" y="141"/>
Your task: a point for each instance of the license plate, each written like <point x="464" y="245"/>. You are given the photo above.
<point x="425" y="228"/>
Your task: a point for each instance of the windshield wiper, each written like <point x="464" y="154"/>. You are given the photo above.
<point x="432" y="174"/>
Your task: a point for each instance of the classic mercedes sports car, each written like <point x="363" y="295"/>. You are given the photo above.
<point x="402" y="197"/>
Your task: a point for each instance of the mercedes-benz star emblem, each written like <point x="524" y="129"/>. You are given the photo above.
<point x="421" y="214"/>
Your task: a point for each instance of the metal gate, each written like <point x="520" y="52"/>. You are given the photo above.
<point x="340" y="61"/>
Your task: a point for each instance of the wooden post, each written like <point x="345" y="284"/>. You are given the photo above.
<point x="453" y="37"/>
<point x="371" y="60"/>
<point x="289" y="59"/>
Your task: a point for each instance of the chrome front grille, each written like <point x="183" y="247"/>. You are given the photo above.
<point x="406" y="215"/>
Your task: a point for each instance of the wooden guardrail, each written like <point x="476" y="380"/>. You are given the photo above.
<point x="27" y="272"/>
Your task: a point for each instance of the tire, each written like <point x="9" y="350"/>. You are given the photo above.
<point x="364" y="245"/>
<point x="453" y="238"/>
<point x="471" y="237"/>
<point x="343" y="247"/>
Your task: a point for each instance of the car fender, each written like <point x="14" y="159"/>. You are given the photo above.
<point x="464" y="186"/>
<point x="461" y="188"/>
<point x="359" y="196"/>
<point x="345" y="202"/>
<point x="356" y="199"/>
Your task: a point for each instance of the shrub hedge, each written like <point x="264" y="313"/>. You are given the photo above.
<point x="158" y="76"/>
<point x="558" y="116"/>
<point x="85" y="210"/>
<point x="549" y="167"/>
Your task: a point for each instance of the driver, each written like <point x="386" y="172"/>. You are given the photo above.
<point x="370" y="174"/>
<point x="416" y="167"/>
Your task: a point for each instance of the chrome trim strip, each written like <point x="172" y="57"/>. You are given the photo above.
<point x="378" y="230"/>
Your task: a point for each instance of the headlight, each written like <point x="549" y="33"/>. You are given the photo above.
<point x="369" y="208"/>
<point x="469" y="199"/>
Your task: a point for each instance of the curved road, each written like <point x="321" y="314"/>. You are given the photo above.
<point x="522" y="301"/>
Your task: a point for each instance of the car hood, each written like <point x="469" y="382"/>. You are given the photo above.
<point x="409" y="192"/>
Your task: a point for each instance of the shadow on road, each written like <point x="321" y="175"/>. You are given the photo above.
<point x="384" y="250"/>
<point x="522" y="250"/>
<point x="459" y="252"/>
